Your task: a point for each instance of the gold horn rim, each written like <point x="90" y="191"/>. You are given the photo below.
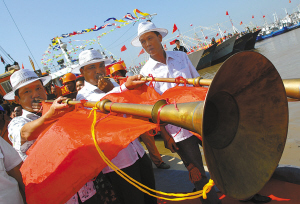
<point x="249" y="82"/>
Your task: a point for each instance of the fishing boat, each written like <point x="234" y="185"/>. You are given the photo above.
<point x="252" y="40"/>
<point x="275" y="32"/>
<point x="223" y="50"/>
<point x="206" y="57"/>
<point x="195" y="57"/>
<point x="200" y="62"/>
<point x="240" y="43"/>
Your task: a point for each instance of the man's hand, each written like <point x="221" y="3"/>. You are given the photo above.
<point x="57" y="108"/>
<point x="168" y="140"/>
<point x="31" y="130"/>
<point x="134" y="82"/>
<point x="104" y="84"/>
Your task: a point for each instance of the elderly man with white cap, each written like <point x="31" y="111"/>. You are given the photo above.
<point x="28" y="91"/>
<point x="172" y="64"/>
<point x="132" y="160"/>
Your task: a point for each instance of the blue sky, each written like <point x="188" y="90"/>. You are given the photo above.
<point x="39" y="21"/>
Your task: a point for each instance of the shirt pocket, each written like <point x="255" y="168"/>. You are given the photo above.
<point x="182" y="71"/>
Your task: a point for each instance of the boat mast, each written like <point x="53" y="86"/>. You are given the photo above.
<point x="235" y="30"/>
<point x="204" y="37"/>
<point x="197" y="38"/>
<point x="182" y="41"/>
<point x="221" y="32"/>
<point x="64" y="50"/>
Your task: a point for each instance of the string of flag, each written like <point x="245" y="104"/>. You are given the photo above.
<point x="49" y="56"/>
<point x="128" y="19"/>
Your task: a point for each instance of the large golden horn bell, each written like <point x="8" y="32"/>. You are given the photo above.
<point x="243" y="122"/>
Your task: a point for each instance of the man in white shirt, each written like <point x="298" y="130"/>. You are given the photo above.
<point x="12" y="188"/>
<point x="172" y="64"/>
<point x="23" y="131"/>
<point x="132" y="160"/>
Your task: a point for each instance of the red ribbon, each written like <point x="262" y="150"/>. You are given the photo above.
<point x="178" y="80"/>
<point x="152" y="80"/>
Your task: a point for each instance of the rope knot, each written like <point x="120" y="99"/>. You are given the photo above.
<point x="152" y="80"/>
<point x="179" y="79"/>
<point x="207" y="188"/>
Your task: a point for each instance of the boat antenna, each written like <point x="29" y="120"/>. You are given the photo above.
<point x="6" y="54"/>
<point x="21" y="34"/>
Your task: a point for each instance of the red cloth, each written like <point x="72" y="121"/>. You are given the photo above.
<point x="64" y="157"/>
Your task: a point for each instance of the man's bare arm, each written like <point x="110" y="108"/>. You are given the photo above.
<point x="31" y="130"/>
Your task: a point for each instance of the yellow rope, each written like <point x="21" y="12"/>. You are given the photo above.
<point x="140" y="186"/>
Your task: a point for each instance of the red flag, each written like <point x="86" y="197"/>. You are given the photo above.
<point x="123" y="48"/>
<point x="172" y="42"/>
<point x="225" y="31"/>
<point x="227" y="13"/>
<point x="290" y="1"/>
<point x="252" y="16"/>
<point x="241" y="22"/>
<point x="217" y="34"/>
<point x="22" y="66"/>
<point x="191" y="25"/>
<point x="2" y="60"/>
<point x="142" y="52"/>
<point x="174" y="28"/>
<point x="206" y="37"/>
<point x="264" y="16"/>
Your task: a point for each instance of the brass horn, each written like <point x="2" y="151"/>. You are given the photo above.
<point x="243" y="122"/>
<point x="292" y="86"/>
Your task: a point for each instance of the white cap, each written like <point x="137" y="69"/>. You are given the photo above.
<point x="22" y="78"/>
<point x="87" y="57"/>
<point x="146" y="27"/>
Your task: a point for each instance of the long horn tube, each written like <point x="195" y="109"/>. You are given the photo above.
<point x="189" y="115"/>
<point x="243" y="122"/>
<point x="292" y="86"/>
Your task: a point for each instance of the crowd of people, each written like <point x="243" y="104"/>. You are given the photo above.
<point x="21" y="124"/>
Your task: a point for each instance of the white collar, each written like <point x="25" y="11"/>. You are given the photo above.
<point x="90" y="86"/>
<point x="29" y="115"/>
<point x="169" y="54"/>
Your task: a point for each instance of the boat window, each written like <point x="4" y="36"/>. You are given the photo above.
<point x="6" y="86"/>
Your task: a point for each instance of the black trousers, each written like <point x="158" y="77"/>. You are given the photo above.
<point x="141" y="171"/>
<point x="190" y="153"/>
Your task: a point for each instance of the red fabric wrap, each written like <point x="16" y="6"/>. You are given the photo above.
<point x="64" y="157"/>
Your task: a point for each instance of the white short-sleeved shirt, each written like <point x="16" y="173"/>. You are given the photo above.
<point x="177" y="64"/>
<point x="14" y="132"/>
<point x="128" y="156"/>
<point x="9" y="187"/>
